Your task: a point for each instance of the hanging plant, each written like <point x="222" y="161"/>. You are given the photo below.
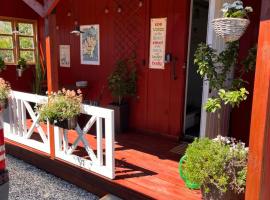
<point x="22" y="65"/>
<point x="2" y="64"/>
<point x="234" y="22"/>
<point x="217" y="69"/>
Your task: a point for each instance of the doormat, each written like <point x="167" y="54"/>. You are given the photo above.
<point x="180" y="149"/>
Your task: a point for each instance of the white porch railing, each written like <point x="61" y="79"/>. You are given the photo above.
<point x="15" y="124"/>
<point x="17" y="129"/>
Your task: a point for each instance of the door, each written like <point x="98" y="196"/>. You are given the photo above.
<point x="166" y="87"/>
<point x="194" y="83"/>
<point x="209" y="127"/>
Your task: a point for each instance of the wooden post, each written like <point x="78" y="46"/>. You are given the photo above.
<point x="52" y="68"/>
<point x="258" y="179"/>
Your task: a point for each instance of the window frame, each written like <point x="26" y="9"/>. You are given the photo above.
<point x="16" y="38"/>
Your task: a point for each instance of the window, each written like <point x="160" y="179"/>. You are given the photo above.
<point x="17" y="40"/>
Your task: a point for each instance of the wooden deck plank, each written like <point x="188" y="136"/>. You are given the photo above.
<point x="145" y="168"/>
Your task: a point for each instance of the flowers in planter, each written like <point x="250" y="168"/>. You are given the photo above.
<point x="61" y="106"/>
<point x="4" y="92"/>
<point x="219" y="166"/>
<point x="234" y="22"/>
<point x="236" y="10"/>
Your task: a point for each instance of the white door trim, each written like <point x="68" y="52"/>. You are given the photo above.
<point x="209" y="40"/>
<point x="187" y="63"/>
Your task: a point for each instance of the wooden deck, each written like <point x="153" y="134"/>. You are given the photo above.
<point x="145" y="168"/>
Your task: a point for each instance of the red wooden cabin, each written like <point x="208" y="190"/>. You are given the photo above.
<point x="167" y="107"/>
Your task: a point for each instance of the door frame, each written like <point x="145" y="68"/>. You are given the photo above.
<point x="187" y="64"/>
<point x="205" y="90"/>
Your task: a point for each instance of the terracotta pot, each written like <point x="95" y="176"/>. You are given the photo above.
<point x="67" y="124"/>
<point x="215" y="194"/>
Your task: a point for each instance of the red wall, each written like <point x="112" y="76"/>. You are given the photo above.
<point x="18" y="9"/>
<point x="118" y="41"/>
<point x="121" y="33"/>
<point x="240" y="117"/>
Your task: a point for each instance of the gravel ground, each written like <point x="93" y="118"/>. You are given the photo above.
<point x="27" y="183"/>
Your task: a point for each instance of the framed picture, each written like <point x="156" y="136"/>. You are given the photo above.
<point x="64" y="55"/>
<point x="90" y="45"/>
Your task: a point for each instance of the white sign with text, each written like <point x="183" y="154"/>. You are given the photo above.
<point x="158" y="43"/>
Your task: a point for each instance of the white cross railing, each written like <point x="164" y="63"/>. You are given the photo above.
<point x="100" y="159"/>
<point x="16" y="126"/>
<point x="64" y="149"/>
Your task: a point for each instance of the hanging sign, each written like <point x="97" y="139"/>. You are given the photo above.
<point x="158" y="43"/>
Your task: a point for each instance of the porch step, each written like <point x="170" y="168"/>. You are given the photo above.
<point x="110" y="197"/>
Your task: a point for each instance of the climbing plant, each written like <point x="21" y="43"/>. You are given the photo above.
<point x="218" y="69"/>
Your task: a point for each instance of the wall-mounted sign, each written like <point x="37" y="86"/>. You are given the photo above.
<point x="64" y="55"/>
<point x="158" y="43"/>
<point x="90" y="44"/>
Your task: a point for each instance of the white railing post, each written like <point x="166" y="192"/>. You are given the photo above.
<point x="99" y="141"/>
<point x="109" y="143"/>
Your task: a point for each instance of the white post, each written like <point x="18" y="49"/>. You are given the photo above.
<point x="109" y="136"/>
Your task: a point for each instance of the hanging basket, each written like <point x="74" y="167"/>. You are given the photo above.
<point x="231" y="29"/>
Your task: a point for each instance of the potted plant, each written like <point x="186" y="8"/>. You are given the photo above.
<point x="22" y="65"/>
<point x="62" y="108"/>
<point x="122" y="84"/>
<point x="234" y="22"/>
<point x="219" y="166"/>
<point x="2" y="64"/>
<point x="4" y="93"/>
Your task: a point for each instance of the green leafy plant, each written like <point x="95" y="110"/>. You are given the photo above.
<point x="4" y="90"/>
<point x="123" y="81"/>
<point x="217" y="68"/>
<point x="22" y="64"/>
<point x="221" y="163"/>
<point x="62" y="105"/>
<point x="236" y="10"/>
<point x="39" y="77"/>
<point x="2" y="64"/>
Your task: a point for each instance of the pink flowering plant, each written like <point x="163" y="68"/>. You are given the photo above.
<point x="220" y="163"/>
<point x="61" y="105"/>
<point x="4" y="90"/>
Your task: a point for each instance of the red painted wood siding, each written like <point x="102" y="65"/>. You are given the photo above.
<point x="132" y="35"/>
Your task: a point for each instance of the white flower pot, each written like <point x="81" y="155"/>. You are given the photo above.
<point x="19" y="72"/>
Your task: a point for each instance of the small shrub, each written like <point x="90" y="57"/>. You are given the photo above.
<point x="221" y="162"/>
<point x="123" y="80"/>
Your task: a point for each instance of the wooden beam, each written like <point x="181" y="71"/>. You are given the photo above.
<point x="36" y="6"/>
<point x="258" y="179"/>
<point x="50" y="5"/>
<point x="45" y="10"/>
<point x="52" y="68"/>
